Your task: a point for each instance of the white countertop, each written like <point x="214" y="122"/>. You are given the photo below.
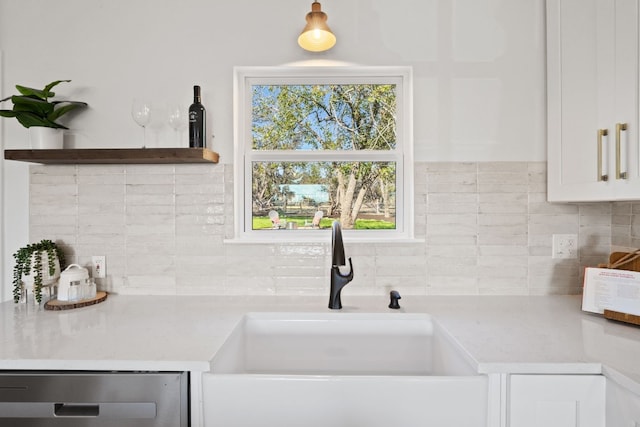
<point x="503" y="334"/>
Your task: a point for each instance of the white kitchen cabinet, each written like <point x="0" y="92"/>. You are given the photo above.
<point x="556" y="401"/>
<point x="623" y="406"/>
<point x="592" y="100"/>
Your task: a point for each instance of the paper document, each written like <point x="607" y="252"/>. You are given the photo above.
<point x="611" y="289"/>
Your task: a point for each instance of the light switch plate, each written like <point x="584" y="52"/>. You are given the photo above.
<point x="99" y="267"/>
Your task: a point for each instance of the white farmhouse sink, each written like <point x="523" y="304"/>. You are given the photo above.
<point x="343" y="369"/>
<point x="340" y="344"/>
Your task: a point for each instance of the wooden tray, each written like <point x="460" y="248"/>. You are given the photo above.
<point x="622" y="317"/>
<point x="55" y="304"/>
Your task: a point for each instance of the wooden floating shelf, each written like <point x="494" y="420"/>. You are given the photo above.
<point x="114" y="156"/>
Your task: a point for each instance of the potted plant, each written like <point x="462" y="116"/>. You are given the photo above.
<point x="37" y="263"/>
<point x="34" y="109"/>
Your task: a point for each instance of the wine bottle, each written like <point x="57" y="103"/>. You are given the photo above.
<point x="197" y="121"/>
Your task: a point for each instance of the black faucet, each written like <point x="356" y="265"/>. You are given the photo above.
<point x="338" y="280"/>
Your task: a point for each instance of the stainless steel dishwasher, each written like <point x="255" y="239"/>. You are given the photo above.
<point x="94" y="399"/>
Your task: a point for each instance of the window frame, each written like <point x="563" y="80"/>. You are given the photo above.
<point x="244" y="155"/>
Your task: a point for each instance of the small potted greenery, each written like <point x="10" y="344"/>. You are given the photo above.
<point x="37" y="263"/>
<point x="34" y="109"/>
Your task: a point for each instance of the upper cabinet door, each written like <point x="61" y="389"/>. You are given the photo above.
<point x="592" y="96"/>
<point x="624" y="154"/>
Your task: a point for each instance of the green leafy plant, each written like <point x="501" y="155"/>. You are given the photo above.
<point x="23" y="267"/>
<point x="33" y="107"/>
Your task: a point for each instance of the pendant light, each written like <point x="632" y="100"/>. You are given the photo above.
<point x="316" y="36"/>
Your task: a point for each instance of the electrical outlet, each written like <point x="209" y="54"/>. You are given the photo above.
<point x="99" y="267"/>
<point x="565" y="246"/>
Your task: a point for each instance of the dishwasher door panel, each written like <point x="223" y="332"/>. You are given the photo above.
<point x="94" y="399"/>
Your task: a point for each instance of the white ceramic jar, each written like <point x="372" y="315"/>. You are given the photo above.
<point x="73" y="281"/>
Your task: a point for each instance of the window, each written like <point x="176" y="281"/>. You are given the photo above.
<point x="318" y="144"/>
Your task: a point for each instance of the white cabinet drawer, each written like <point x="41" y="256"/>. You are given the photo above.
<point x="557" y="401"/>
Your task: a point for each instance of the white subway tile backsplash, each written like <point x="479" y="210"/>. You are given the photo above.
<point x="502" y="286"/>
<point x="453" y="241"/>
<point x="142" y="210"/>
<point x="199" y="199"/>
<point x="48" y="180"/>
<point x="149" y="199"/>
<point x="143" y="231"/>
<point x="487" y="229"/>
<point x="436" y="186"/>
<point x="66" y="190"/>
<point x="448" y="168"/>
<point x="587" y="209"/>
<point x="452" y="225"/>
<point x="301" y="251"/>
<point x="400" y="266"/>
<point x="43" y="209"/>
<point x="68" y="170"/>
<point x="312" y="285"/>
<point x="149" y="189"/>
<point x="553" y="224"/>
<point x="199" y="245"/>
<point x="157" y="284"/>
<point x="408" y="286"/>
<point x="394" y="249"/>
<point x="503" y="251"/>
<point x="622" y="208"/>
<point x="509" y="203"/>
<point x="282" y="268"/>
<point x="502" y="222"/>
<point x="155" y="264"/>
<point x="452" y="203"/>
<point x="65" y="234"/>
<point x="143" y="180"/>
<point x="254" y="285"/>
<point x="205" y="266"/>
<point x="51" y="220"/>
<point x="92" y="171"/>
<point x="503" y="168"/>
<point x="250" y="266"/>
<point x="451" y="251"/>
<point x="201" y="188"/>
<point x="622" y="223"/>
<point x="149" y="170"/>
<point x="109" y="179"/>
<point x="451" y="285"/>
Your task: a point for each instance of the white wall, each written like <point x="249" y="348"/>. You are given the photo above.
<point x="478" y="68"/>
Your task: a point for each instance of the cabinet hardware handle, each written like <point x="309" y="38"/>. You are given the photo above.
<point x="602" y="166"/>
<point x="621" y="150"/>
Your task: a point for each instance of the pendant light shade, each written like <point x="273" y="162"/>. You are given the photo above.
<point x="316" y="36"/>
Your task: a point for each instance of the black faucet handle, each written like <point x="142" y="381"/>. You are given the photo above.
<point x="394" y="296"/>
<point x="349" y="275"/>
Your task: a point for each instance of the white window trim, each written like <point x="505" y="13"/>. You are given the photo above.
<point x="245" y="77"/>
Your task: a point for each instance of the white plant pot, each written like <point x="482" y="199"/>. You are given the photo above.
<point x="48" y="280"/>
<point x="44" y="138"/>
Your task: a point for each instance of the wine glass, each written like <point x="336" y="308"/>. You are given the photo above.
<point x="177" y="120"/>
<point x="141" y="113"/>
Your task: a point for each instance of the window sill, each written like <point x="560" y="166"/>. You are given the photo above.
<point x="325" y="239"/>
